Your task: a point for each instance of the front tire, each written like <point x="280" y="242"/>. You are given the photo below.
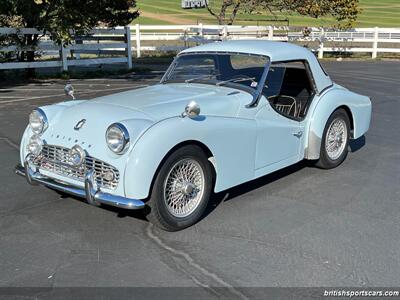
<point x="181" y="189"/>
<point x="335" y="140"/>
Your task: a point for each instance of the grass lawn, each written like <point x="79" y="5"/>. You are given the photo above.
<point x="381" y="13"/>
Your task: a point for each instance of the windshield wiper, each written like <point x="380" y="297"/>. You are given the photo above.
<point x="240" y="79"/>
<point x="201" y="77"/>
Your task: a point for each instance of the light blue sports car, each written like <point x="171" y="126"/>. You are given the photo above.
<point x="223" y="114"/>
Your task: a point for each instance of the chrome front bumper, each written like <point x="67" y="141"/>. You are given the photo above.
<point x="92" y="195"/>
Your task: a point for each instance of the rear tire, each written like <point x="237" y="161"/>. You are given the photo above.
<point x="335" y="140"/>
<point x="181" y="189"/>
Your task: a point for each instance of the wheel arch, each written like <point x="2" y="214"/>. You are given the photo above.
<point x="317" y="126"/>
<point x="201" y="145"/>
<point x="350" y="115"/>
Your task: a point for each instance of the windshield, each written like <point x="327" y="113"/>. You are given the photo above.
<point x="228" y="69"/>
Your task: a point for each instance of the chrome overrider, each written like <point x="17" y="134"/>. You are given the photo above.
<point x="89" y="192"/>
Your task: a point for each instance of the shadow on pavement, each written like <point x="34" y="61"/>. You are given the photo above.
<point x="234" y="192"/>
<point x="357" y="144"/>
<point x="244" y="188"/>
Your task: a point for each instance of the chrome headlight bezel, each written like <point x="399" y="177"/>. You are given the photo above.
<point x="117" y="138"/>
<point x="38" y="121"/>
<point x="35" y="145"/>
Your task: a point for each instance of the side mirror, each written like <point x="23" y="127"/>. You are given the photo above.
<point x="192" y="110"/>
<point x="69" y="90"/>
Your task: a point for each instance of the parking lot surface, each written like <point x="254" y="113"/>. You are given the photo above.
<point x="301" y="226"/>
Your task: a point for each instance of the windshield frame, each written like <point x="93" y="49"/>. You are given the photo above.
<point x="256" y="93"/>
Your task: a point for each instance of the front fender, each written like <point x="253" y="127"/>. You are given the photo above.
<point x="230" y="140"/>
<point x="359" y="107"/>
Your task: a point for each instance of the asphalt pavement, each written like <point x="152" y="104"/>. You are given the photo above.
<point x="299" y="227"/>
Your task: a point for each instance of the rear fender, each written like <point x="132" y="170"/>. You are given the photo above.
<point x="358" y="107"/>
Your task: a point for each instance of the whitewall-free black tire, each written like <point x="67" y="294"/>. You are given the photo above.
<point x="181" y="189"/>
<point x="335" y="140"/>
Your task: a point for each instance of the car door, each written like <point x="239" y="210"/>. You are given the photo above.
<point x="278" y="138"/>
<point x="280" y="125"/>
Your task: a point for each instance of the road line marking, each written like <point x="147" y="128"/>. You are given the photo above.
<point x="78" y="94"/>
<point x="9" y="142"/>
<point x="44" y="88"/>
<point x="31" y="98"/>
<point x="378" y="78"/>
<point x="366" y="78"/>
<point x="11" y="97"/>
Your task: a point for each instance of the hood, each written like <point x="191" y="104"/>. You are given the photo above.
<point x="136" y="109"/>
<point x="97" y="119"/>
<point x="167" y="100"/>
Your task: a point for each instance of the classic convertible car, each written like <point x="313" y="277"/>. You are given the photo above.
<point x="223" y="114"/>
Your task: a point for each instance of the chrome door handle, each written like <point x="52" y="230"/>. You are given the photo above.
<point x="298" y="133"/>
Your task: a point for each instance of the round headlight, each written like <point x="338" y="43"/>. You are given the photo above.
<point x="38" y="121"/>
<point x="117" y="138"/>
<point x="35" y="145"/>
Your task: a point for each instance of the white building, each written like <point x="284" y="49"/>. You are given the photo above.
<point x="194" y="3"/>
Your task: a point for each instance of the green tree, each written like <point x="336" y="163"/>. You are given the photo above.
<point x="344" y="11"/>
<point x="62" y="19"/>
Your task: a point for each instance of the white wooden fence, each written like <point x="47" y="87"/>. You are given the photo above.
<point x="115" y="42"/>
<point x="123" y="40"/>
<point x="343" y="41"/>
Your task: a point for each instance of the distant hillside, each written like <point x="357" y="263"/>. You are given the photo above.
<point x="381" y="13"/>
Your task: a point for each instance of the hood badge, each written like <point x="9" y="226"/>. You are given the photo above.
<point x="80" y="124"/>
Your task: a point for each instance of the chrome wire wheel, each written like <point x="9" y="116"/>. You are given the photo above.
<point x="336" y="138"/>
<point x="184" y="187"/>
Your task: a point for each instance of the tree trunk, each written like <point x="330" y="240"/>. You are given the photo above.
<point x="222" y="13"/>
<point x="234" y="13"/>
<point x="21" y="44"/>
<point x="30" y="54"/>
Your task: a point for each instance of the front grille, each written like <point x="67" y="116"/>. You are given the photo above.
<point x="55" y="159"/>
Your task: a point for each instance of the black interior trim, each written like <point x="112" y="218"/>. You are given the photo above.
<point x="312" y="90"/>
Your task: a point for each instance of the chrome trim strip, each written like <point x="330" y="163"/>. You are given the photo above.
<point x="45" y="120"/>
<point x="166" y="74"/>
<point x="92" y="195"/>
<point x="125" y="133"/>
